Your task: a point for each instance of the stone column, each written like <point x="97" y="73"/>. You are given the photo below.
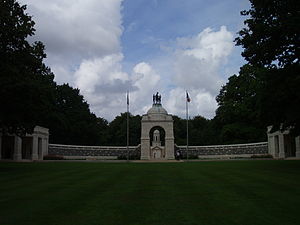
<point x="281" y="145"/>
<point x="35" y="147"/>
<point x="18" y="148"/>
<point x="271" y="145"/>
<point x="297" y="141"/>
<point x="44" y="148"/>
<point x="145" y="148"/>
<point x="169" y="147"/>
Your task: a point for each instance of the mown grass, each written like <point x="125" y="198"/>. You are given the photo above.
<point x="222" y="192"/>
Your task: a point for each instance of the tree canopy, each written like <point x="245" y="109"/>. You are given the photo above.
<point x="271" y="36"/>
<point x="271" y="40"/>
<point x="238" y="115"/>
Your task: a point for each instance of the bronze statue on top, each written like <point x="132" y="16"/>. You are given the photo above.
<point x="156" y="99"/>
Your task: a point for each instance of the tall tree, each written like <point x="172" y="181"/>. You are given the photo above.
<point x="271" y="40"/>
<point x="202" y="131"/>
<point x="26" y="84"/>
<point x="238" y="115"/>
<point x="71" y="122"/>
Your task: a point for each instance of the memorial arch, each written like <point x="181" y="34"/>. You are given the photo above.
<point x="157" y="137"/>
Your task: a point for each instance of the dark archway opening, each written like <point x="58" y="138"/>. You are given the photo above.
<point x="161" y="132"/>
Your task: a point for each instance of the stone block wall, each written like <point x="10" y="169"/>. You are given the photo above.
<point x="216" y="151"/>
<point x="105" y="152"/>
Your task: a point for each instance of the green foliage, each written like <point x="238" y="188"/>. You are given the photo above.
<point x="201" y="131"/>
<point x="71" y="121"/>
<point x="271" y="40"/>
<point x="179" y="130"/>
<point x="117" y="131"/>
<point x="238" y="115"/>
<point x="281" y="98"/>
<point x="271" y="35"/>
<point x="26" y="84"/>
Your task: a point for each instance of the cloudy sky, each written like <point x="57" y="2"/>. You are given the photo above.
<point x="105" y="47"/>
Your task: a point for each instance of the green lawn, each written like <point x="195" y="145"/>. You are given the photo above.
<point x="221" y="192"/>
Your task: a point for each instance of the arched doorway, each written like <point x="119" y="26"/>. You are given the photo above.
<point x="157" y="142"/>
<point x="162" y="135"/>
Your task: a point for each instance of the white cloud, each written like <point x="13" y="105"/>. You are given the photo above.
<point x="146" y="79"/>
<point x="202" y="103"/>
<point x="199" y="58"/>
<point x="100" y="71"/>
<point x="103" y="84"/>
<point x="197" y="61"/>
<point x="76" y="30"/>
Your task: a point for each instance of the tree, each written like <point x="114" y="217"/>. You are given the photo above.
<point x="238" y="115"/>
<point x="201" y="131"/>
<point x="271" y="36"/>
<point x="71" y="121"/>
<point x="26" y="84"/>
<point x="271" y="40"/>
<point x="179" y="130"/>
<point x="117" y="130"/>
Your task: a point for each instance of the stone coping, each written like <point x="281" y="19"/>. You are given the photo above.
<point x="222" y="146"/>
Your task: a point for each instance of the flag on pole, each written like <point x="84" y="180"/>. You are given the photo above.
<point x="127" y="98"/>
<point x="188" y="99"/>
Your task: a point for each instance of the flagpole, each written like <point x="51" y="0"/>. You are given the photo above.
<point x="187" y="128"/>
<point x="127" y="146"/>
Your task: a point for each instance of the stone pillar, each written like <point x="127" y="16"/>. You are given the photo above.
<point x="44" y="148"/>
<point x="145" y="148"/>
<point x="47" y="146"/>
<point x="297" y="141"/>
<point x="281" y="145"/>
<point x="18" y="148"/>
<point x="169" y="141"/>
<point x="271" y="145"/>
<point x="35" y="147"/>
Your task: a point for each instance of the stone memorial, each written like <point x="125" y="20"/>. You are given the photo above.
<point x="157" y="136"/>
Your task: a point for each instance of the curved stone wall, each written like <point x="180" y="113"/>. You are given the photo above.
<point x="97" y="152"/>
